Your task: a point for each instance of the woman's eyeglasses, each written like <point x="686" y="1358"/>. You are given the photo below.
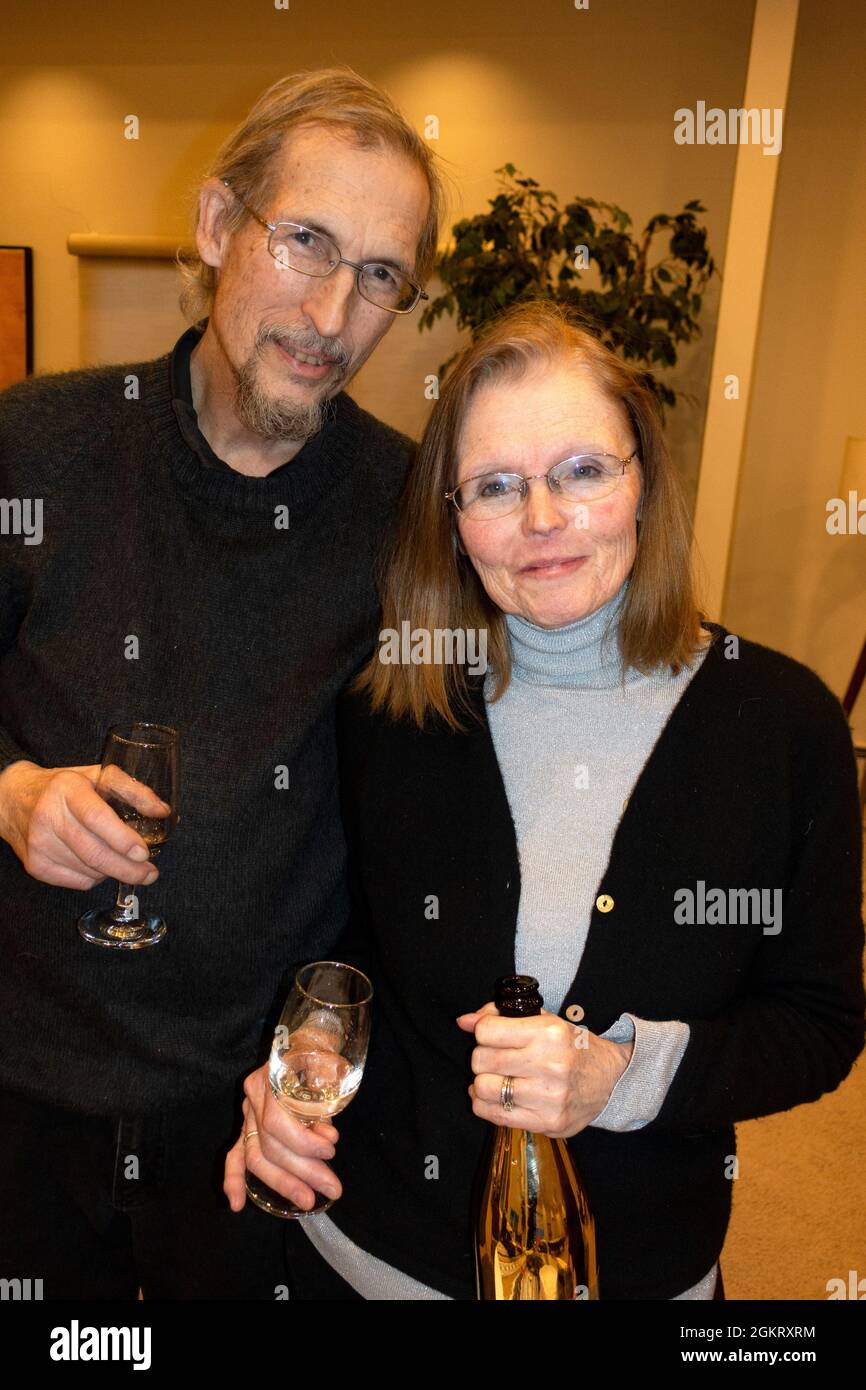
<point x="582" y="478"/>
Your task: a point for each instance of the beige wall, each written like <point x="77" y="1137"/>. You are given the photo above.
<point x="793" y="586"/>
<point x="581" y="100"/>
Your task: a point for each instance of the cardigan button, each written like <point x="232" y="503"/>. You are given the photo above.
<point x="604" y="902"/>
<point x="574" y="1013"/>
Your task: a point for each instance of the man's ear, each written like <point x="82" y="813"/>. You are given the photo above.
<point x="212" y="238"/>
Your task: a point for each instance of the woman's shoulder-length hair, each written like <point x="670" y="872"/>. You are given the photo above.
<point x="426" y="581"/>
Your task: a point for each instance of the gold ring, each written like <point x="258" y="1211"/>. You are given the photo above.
<point x="249" y="1134"/>
<point x="506" y="1093"/>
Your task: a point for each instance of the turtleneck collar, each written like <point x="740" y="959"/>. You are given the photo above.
<point x="580" y="654"/>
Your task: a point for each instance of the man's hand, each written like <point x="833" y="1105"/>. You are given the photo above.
<point x="63" y="831"/>
<point x="559" y="1087"/>
<point x="284" y="1153"/>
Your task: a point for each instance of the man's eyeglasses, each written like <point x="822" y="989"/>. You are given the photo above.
<point x="582" y="478"/>
<point x="296" y="247"/>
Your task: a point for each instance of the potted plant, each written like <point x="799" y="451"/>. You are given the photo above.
<point x="527" y="247"/>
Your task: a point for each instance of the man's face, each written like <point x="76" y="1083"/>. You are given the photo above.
<point x="372" y="203"/>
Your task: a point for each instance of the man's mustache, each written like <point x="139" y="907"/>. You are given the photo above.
<point x="320" y="347"/>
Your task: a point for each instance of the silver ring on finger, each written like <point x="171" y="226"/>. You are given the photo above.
<point x="506" y="1093"/>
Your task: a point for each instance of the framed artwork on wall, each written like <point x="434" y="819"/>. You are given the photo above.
<point x="16" y="314"/>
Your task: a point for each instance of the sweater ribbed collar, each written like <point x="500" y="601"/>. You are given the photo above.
<point x="583" y="654"/>
<point x="320" y="464"/>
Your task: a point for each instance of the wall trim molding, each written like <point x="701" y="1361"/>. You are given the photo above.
<point x="157" y="248"/>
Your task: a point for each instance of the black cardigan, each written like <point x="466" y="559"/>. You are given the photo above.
<point x="751" y="784"/>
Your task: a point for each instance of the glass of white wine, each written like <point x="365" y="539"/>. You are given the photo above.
<point x="138" y="778"/>
<point x="317" y="1059"/>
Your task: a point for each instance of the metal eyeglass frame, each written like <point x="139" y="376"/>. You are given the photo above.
<point x="341" y="260"/>
<point x="553" y="485"/>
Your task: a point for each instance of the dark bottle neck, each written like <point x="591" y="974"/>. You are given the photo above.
<point x="517" y="996"/>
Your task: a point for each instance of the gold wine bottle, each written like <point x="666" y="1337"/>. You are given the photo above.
<point x="534" y="1231"/>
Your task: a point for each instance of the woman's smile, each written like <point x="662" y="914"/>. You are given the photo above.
<point x="552" y="569"/>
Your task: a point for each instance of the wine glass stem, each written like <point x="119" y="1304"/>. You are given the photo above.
<point x="124" y="907"/>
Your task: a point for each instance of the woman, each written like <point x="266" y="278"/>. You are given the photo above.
<point x="656" y="819"/>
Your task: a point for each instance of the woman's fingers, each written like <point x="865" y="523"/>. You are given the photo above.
<point x="255" y="1090"/>
<point x="281" y="1128"/>
<point x="284" y="1153"/>
<point x="487" y="1105"/>
<point x="537" y="1106"/>
<point x="540" y="1031"/>
<point x="468" y="1021"/>
<point x="293" y="1141"/>
<point x="294" y="1176"/>
<point x="553" y="1061"/>
<point x="234" y="1184"/>
<point x="526" y="1091"/>
<point x="539" y="1046"/>
<point x="233" y="1180"/>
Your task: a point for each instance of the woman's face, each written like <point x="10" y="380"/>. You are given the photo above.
<point x="551" y="560"/>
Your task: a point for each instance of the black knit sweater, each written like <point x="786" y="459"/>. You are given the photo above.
<point x="246" y="632"/>
<point x="751" y="785"/>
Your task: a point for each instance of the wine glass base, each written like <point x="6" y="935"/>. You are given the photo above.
<point x="100" y="929"/>
<point x="276" y="1205"/>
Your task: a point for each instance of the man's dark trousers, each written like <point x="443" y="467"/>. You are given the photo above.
<point x="100" y="1207"/>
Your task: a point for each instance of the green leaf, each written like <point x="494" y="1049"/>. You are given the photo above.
<point x="522" y="246"/>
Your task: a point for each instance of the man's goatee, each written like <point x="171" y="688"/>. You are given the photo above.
<point x="271" y="417"/>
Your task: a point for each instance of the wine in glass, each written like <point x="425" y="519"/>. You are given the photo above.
<point x="317" y="1059"/>
<point x="138" y="779"/>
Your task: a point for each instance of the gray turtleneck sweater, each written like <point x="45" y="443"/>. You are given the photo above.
<point x="572" y="735"/>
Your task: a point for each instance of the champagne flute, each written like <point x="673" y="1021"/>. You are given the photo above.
<point x="138" y="775"/>
<point x="317" y="1059"/>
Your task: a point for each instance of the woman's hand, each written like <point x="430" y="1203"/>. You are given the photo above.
<point x="563" y="1075"/>
<point x="285" y="1154"/>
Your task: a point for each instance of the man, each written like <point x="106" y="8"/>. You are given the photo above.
<point x="211" y="521"/>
